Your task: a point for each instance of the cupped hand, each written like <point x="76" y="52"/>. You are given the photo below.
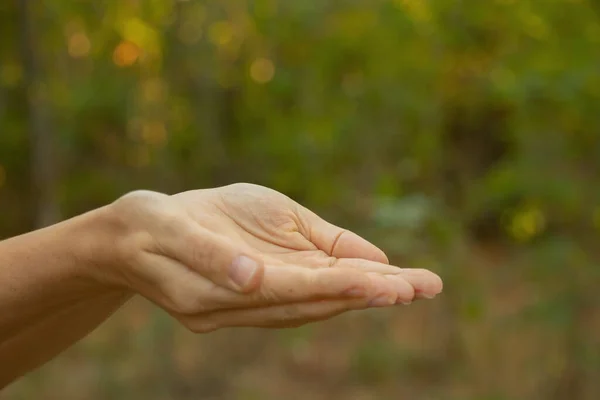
<point x="246" y="255"/>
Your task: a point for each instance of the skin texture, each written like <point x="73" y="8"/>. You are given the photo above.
<point x="237" y="256"/>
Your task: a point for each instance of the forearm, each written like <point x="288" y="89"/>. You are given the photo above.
<point x="49" y="336"/>
<point x="49" y="297"/>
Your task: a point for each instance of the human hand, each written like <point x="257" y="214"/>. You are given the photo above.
<point x="246" y="255"/>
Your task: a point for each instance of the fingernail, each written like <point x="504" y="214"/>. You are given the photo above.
<point x="426" y="296"/>
<point x="242" y="270"/>
<point x="355" y="292"/>
<point x="381" y="301"/>
<point x="406" y="303"/>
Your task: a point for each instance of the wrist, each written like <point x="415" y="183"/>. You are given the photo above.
<point x="94" y="240"/>
<point x="52" y="268"/>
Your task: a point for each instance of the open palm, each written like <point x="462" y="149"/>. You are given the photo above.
<point x="246" y="255"/>
<point x="287" y="237"/>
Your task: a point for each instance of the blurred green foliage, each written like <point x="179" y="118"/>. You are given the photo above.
<point x="461" y="136"/>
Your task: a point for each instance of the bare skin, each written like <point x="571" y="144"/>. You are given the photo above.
<point x="236" y="256"/>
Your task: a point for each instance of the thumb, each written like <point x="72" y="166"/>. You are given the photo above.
<point x="216" y="258"/>
<point x="338" y="242"/>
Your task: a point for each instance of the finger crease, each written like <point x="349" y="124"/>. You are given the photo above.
<point x="335" y="241"/>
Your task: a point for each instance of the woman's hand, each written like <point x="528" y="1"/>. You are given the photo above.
<point x="240" y="255"/>
<point x="246" y="255"/>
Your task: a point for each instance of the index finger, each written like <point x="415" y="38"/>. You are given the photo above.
<point x="339" y="242"/>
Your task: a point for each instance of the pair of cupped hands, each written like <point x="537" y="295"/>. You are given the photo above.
<point x="247" y="256"/>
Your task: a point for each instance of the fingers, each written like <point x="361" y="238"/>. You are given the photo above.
<point x="215" y="257"/>
<point x="278" y="316"/>
<point x="179" y="289"/>
<point x="366" y="265"/>
<point x="338" y="242"/>
<point x="290" y="284"/>
<point x="352" y="251"/>
<point x="426" y="284"/>
<point x="295" y="295"/>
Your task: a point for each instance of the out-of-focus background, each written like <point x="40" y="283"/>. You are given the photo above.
<point x="460" y="136"/>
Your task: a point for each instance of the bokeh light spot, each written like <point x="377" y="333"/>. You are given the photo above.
<point x="262" y="70"/>
<point x="79" y="45"/>
<point x="125" y="54"/>
<point x="221" y="33"/>
<point x="526" y="224"/>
